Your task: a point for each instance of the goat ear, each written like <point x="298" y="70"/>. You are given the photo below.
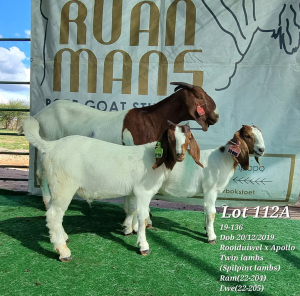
<point x="195" y="151"/>
<point x="243" y="158"/>
<point x="164" y="145"/>
<point x="257" y="160"/>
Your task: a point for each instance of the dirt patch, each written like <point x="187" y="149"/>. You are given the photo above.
<point x="12" y="173"/>
<point x="7" y="159"/>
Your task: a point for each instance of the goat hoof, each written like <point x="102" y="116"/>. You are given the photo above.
<point x="66" y="259"/>
<point x="145" y="253"/>
<point x="67" y="241"/>
<point x="128" y="234"/>
<point x="149" y="226"/>
<point x="212" y="242"/>
<point x="134" y="232"/>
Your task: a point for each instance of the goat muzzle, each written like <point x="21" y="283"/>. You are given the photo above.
<point x="180" y="157"/>
<point x="212" y="120"/>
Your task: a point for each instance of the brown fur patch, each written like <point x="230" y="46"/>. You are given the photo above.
<point x="147" y="124"/>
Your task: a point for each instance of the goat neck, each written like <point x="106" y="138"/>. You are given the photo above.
<point x="147" y="124"/>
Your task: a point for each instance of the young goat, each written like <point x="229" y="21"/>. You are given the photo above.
<point x="187" y="179"/>
<point x="130" y="127"/>
<point x="95" y="169"/>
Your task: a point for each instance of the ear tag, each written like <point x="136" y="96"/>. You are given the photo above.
<point x="234" y="150"/>
<point x="200" y="110"/>
<point x="158" y="152"/>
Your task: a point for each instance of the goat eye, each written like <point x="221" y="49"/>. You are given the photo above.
<point x="248" y="136"/>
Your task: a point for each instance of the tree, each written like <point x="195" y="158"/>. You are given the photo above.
<point x="12" y="119"/>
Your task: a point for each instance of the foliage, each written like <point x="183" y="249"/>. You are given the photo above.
<point x="11" y="119"/>
<point x="13" y="142"/>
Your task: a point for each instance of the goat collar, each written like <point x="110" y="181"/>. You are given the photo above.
<point x="237" y="144"/>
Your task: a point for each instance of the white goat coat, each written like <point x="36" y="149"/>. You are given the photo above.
<point x="101" y="169"/>
<point x="59" y="123"/>
<point x="188" y="179"/>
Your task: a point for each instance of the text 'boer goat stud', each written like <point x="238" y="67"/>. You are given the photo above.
<point x="130" y="127"/>
<point x="95" y="169"/>
<point x="188" y="180"/>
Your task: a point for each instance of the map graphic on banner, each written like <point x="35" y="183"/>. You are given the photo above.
<point x="116" y="55"/>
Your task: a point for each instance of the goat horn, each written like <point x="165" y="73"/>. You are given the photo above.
<point x="182" y="85"/>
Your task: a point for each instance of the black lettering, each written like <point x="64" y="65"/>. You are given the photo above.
<point x="114" y="106"/>
<point x="102" y="106"/>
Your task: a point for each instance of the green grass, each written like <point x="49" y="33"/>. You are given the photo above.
<point x="107" y="263"/>
<point x="13" y="142"/>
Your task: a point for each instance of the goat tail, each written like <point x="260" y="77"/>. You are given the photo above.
<point x="31" y="129"/>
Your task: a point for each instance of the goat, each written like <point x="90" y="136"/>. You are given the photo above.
<point x="95" y="169"/>
<point x="130" y="127"/>
<point x="187" y="180"/>
<point x="64" y="118"/>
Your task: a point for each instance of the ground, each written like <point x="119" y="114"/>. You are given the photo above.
<point x="14" y="159"/>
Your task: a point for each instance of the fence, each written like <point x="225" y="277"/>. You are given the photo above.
<point x="13" y="134"/>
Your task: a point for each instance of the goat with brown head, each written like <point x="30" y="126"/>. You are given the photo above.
<point x="201" y="106"/>
<point x="174" y="141"/>
<point x="250" y="141"/>
<point x="189" y="102"/>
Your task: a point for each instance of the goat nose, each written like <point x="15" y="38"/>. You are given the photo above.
<point x="179" y="154"/>
<point x="262" y="150"/>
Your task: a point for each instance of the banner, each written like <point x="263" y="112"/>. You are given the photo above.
<point x="117" y="55"/>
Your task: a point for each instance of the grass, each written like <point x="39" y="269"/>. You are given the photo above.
<point x="107" y="263"/>
<point x="13" y="142"/>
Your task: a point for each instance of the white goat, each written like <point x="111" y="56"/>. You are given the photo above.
<point x="187" y="179"/>
<point x="95" y="169"/>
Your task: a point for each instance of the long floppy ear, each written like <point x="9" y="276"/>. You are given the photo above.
<point x="243" y="158"/>
<point x="195" y="151"/>
<point x="164" y="145"/>
<point x="257" y="160"/>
